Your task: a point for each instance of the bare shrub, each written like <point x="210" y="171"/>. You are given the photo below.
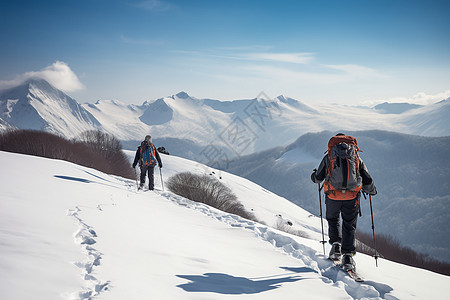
<point x="391" y="249"/>
<point x="39" y="143"/>
<point x="208" y="190"/>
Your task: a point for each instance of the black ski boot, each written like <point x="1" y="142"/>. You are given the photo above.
<point x="348" y="263"/>
<point x="335" y="252"/>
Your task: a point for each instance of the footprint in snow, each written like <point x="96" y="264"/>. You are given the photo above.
<point x="85" y="238"/>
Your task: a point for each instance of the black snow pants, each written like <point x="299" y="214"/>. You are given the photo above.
<point x="151" y="181"/>
<point x="349" y="210"/>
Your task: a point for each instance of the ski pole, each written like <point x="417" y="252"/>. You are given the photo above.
<point x="135" y="176"/>
<point x="321" y="219"/>
<point x="162" y="182"/>
<point x="373" y="230"/>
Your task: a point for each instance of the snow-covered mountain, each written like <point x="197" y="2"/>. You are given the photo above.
<point x="431" y="120"/>
<point x="77" y="233"/>
<point x="236" y="127"/>
<point x="395" y="108"/>
<point x="38" y="105"/>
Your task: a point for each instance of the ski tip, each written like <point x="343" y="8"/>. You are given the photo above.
<point x="354" y="276"/>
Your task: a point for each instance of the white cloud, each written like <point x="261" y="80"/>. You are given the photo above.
<point x="58" y="74"/>
<point x="419" y="98"/>
<point x="422" y="98"/>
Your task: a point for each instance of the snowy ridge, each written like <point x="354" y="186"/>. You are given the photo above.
<point x="268" y="122"/>
<point x="88" y="235"/>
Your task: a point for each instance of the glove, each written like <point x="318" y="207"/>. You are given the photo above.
<point x="313" y="176"/>
<point x="134" y="165"/>
<point x="370" y="189"/>
<point x="160" y="165"/>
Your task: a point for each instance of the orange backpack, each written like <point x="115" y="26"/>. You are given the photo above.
<point x="343" y="181"/>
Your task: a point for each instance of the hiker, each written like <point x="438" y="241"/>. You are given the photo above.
<point x="147" y="156"/>
<point x="345" y="175"/>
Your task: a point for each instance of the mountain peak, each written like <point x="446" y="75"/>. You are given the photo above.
<point x="282" y="98"/>
<point x="182" y="95"/>
<point x="39" y="83"/>
<point x="21" y="91"/>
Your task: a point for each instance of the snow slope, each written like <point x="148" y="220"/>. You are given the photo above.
<point x="118" y="118"/>
<point x="70" y="232"/>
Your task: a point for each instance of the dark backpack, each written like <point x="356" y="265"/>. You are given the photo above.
<point x="148" y="156"/>
<point x="163" y="150"/>
<point x="343" y="181"/>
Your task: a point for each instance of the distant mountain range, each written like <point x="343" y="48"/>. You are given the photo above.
<point x="395" y="108"/>
<point x="236" y="127"/>
<point x="276" y="143"/>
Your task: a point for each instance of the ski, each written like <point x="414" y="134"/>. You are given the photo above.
<point x="351" y="273"/>
<point x="144" y="190"/>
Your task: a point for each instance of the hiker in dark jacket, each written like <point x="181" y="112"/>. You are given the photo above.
<point x="147" y="156"/>
<point x="344" y="203"/>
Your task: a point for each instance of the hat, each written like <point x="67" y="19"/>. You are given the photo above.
<point x="148" y="138"/>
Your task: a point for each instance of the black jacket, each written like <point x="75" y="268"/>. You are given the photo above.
<point x="137" y="157"/>
<point x="368" y="186"/>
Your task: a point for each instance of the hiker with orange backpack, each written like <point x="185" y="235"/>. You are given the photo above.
<point x="345" y="175"/>
<point x="147" y="156"/>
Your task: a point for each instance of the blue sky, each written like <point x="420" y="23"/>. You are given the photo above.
<point x="348" y="52"/>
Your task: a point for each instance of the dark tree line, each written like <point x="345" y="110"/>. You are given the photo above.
<point x="93" y="149"/>
<point x="391" y="249"/>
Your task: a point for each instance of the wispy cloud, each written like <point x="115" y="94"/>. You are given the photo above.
<point x="240" y="53"/>
<point x="248" y="48"/>
<point x="287" y="70"/>
<point x="58" y="74"/>
<point x="154" y="5"/>
<point x="286" y="75"/>
<point x="295" y="58"/>
<point x="355" y="70"/>
<point x="135" y="41"/>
